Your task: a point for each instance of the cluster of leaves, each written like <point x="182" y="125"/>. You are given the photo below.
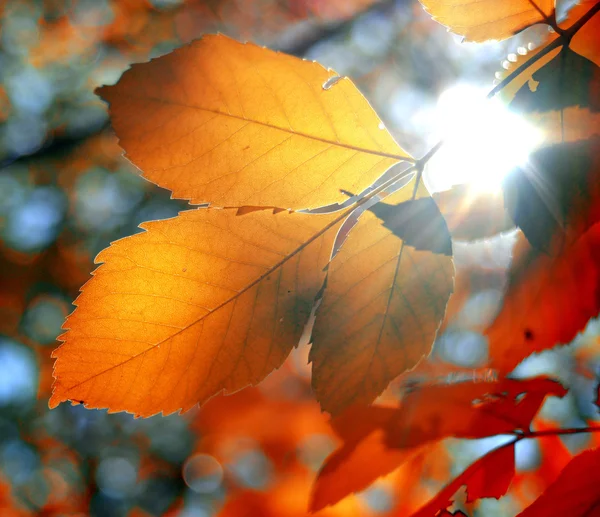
<point x="215" y="299"/>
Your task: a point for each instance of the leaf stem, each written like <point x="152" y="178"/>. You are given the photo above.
<point x="521" y="68"/>
<point x="559" y="432"/>
<point x="383" y="186"/>
<point x="549" y="19"/>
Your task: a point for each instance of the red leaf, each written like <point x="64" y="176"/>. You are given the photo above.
<point x="468" y="410"/>
<point x="574" y="493"/>
<point x="548" y="301"/>
<point x="489" y="476"/>
<point x="494" y="476"/>
<point x="377" y="440"/>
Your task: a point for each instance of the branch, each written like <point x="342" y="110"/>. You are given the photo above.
<point x="559" y="432"/>
<point x="564" y="38"/>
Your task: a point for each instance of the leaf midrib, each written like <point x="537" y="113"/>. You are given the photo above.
<point x="229" y="300"/>
<point x="291" y="131"/>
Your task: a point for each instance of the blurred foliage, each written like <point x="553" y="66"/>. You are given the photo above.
<point x="66" y="192"/>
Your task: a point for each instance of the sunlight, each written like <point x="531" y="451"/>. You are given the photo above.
<point x="483" y="140"/>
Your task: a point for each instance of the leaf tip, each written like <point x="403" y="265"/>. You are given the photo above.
<point x="55" y="399"/>
<point x="102" y="91"/>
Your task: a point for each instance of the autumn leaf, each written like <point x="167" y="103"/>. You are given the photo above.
<point x="567" y="80"/>
<point x="579" y="33"/>
<point x="561" y="98"/>
<point x="489" y="476"/>
<point x="468" y="214"/>
<point x="379" y="439"/>
<point x="468" y="410"/>
<point x="555" y="197"/>
<point x="235" y="124"/>
<point x="363" y="457"/>
<point x="493" y="478"/>
<point x="526" y="325"/>
<point x="575" y="491"/>
<point x="418" y="223"/>
<point x="482" y="20"/>
<point x="383" y="304"/>
<point x="585" y="41"/>
<point x="205" y="302"/>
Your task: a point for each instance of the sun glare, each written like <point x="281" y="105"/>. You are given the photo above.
<point x="483" y="140"/>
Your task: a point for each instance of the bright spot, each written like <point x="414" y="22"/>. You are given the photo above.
<point x="203" y="473"/>
<point x="18" y="373"/>
<point x="314" y="449"/>
<point x="44" y="317"/>
<point x="483" y="140"/>
<point x="116" y="477"/>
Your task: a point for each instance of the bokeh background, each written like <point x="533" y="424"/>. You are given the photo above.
<point x="66" y="193"/>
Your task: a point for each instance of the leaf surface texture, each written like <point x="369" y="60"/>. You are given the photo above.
<point x="482" y="20"/>
<point x="204" y="302"/>
<point x="234" y="124"/>
<point x="382" y="307"/>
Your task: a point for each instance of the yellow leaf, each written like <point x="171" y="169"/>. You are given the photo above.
<point x="482" y="20"/>
<point x="235" y="124"/>
<point x="204" y="302"/>
<point x="380" y="312"/>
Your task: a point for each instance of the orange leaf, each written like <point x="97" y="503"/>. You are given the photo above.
<point x="468" y="410"/>
<point x="201" y="303"/>
<point x="235" y="124"/>
<point x="377" y="439"/>
<point x="586" y="41"/>
<point x="354" y="467"/>
<point x="482" y="20"/>
<point x="382" y="307"/>
<point x="575" y="491"/>
<point x="548" y="301"/>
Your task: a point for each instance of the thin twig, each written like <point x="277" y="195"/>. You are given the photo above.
<point x="559" y="432"/>
<point x="564" y="38"/>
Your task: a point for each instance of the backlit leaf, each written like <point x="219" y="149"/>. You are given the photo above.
<point x="482" y="20"/>
<point x="561" y="98"/>
<point x="418" y="223"/>
<point x="555" y="197"/>
<point x="586" y="41"/>
<point x="236" y="124"/>
<point x="549" y="300"/>
<point x="489" y="476"/>
<point x="575" y="491"/>
<point x="494" y="476"/>
<point x="379" y="439"/>
<point x="468" y="410"/>
<point x="205" y="302"/>
<point x="382" y="307"/>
